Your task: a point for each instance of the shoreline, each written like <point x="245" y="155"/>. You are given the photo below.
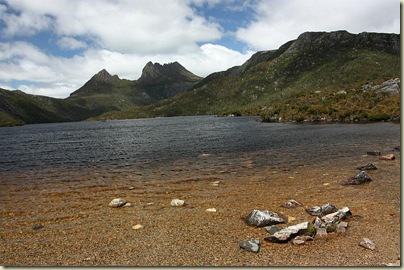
<point x="79" y="229"/>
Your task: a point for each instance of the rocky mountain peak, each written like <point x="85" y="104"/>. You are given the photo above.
<point x="102" y="76"/>
<point x="167" y="73"/>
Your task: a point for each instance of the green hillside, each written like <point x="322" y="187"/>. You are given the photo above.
<point x="319" y="76"/>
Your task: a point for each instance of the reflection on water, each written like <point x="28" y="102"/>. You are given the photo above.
<point x="173" y="147"/>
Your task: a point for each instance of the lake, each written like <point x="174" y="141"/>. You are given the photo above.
<point x="140" y="148"/>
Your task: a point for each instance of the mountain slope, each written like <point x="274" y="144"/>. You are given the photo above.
<point x="102" y="93"/>
<point x="291" y="82"/>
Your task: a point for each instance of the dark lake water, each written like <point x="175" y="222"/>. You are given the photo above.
<point x="142" y="145"/>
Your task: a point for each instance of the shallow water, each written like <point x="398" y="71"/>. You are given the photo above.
<point x="172" y="147"/>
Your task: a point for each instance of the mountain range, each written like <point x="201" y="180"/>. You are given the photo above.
<point x="335" y="76"/>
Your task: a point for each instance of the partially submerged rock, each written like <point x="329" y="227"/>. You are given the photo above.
<point x="252" y="245"/>
<point x="118" y="202"/>
<point x="261" y="218"/>
<point x="325" y="209"/>
<point x="374" y="153"/>
<point x="288" y="233"/>
<point x="291" y="204"/>
<point x="358" y="179"/>
<point x="367" y="167"/>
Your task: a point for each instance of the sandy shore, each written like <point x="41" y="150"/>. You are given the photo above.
<point x="79" y="229"/>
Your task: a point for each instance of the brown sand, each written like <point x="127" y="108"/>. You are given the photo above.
<point x="81" y="230"/>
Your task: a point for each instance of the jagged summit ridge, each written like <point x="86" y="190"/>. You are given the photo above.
<point x="166" y="73"/>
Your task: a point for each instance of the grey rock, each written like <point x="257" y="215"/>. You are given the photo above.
<point x="322" y="210"/>
<point x="291" y="204"/>
<point x="118" y="202"/>
<point x="271" y="229"/>
<point x="261" y="218"/>
<point x="374" y="153"/>
<point x="341" y="214"/>
<point x="320" y="232"/>
<point x="288" y="233"/>
<point x="367" y="243"/>
<point x="358" y="179"/>
<point x="367" y="167"/>
<point x="252" y="245"/>
<point x="317" y="223"/>
<point x="301" y="239"/>
<point x="37" y="227"/>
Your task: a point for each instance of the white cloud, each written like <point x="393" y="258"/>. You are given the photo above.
<point x="279" y="21"/>
<point x="70" y="43"/>
<point x="147" y="26"/>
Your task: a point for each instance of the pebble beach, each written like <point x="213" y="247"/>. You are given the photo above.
<point x="69" y="223"/>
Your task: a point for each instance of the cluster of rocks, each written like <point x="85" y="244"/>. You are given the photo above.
<point x="328" y="218"/>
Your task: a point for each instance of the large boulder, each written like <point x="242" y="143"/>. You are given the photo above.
<point x="262" y="218"/>
<point x="284" y="235"/>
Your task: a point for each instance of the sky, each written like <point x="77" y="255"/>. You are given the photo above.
<point x="52" y="47"/>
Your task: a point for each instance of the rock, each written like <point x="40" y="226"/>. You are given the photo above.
<point x="215" y="183"/>
<point x="211" y="210"/>
<point x="317" y="223"/>
<point x="115" y="203"/>
<point x="301" y="239"/>
<point x="288" y="233"/>
<point x="367" y="167"/>
<point x="341" y="214"/>
<point x="252" y="245"/>
<point x="342" y="227"/>
<point x="291" y="204"/>
<point x="388" y="157"/>
<point x="37" y="227"/>
<point x="374" y="153"/>
<point x="127" y="205"/>
<point x="358" y="179"/>
<point x="320" y="232"/>
<point x="177" y="202"/>
<point x="261" y="218"/>
<point x="271" y="229"/>
<point x="367" y="243"/>
<point x="131" y="188"/>
<point x="322" y="210"/>
<point x="138" y="226"/>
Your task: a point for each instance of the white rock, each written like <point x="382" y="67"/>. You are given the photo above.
<point x="137" y="227"/>
<point x="177" y="202"/>
<point x="118" y="202"/>
<point x="212" y="210"/>
<point x="367" y="243"/>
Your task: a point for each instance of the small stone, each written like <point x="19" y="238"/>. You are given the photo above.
<point x="374" y="153"/>
<point x="215" y="183"/>
<point x="252" y="245"/>
<point x="317" y="222"/>
<point x="177" y="202"/>
<point x="115" y="203"/>
<point x="367" y="243"/>
<point x="127" y="205"/>
<point x="138" y="226"/>
<point x="262" y="218"/>
<point x="132" y="188"/>
<point x="367" y="167"/>
<point x="358" y="179"/>
<point x="388" y="157"/>
<point x="291" y="204"/>
<point x="320" y="232"/>
<point x="211" y="210"/>
<point x="301" y="239"/>
<point x="271" y="229"/>
<point x="37" y="227"/>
